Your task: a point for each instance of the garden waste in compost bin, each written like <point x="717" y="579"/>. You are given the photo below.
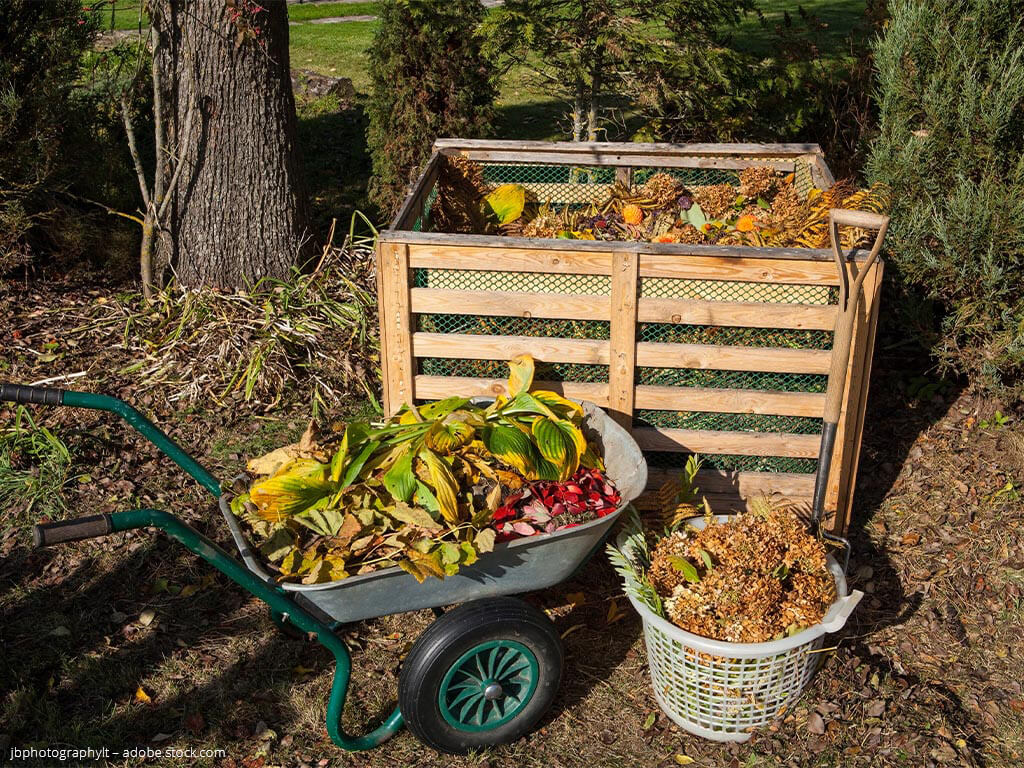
<point x="759" y="577"/>
<point x="430" y="489"/>
<point x="765" y="210"/>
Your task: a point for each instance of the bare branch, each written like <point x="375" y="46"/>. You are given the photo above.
<point x="165" y="199"/>
<point x="133" y="149"/>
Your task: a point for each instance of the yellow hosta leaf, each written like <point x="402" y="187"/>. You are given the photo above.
<point x="557" y="403"/>
<point x="507" y="202"/>
<point x="297" y="486"/>
<point x="448" y="435"/>
<point x="269" y="463"/>
<point x="520" y="374"/>
<point x="443" y="484"/>
<point x="511" y="446"/>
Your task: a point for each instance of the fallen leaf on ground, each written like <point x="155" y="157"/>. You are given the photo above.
<point x="815" y="724"/>
<point x="142" y="697"/>
<point x="682" y="759"/>
<point x="146" y="617"/>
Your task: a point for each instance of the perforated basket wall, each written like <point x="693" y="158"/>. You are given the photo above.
<point x="759" y="332"/>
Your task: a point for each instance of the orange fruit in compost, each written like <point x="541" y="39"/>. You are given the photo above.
<point x="632" y="214"/>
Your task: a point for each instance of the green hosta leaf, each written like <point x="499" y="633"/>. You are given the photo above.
<point x="526" y="403"/>
<point x="413" y="516"/>
<point x="695" y="216"/>
<point x="686" y="568"/>
<point x="400" y="480"/>
<point x="442" y="408"/>
<point x="511" y="446"/>
<point x="356" y="465"/>
<point x="298" y="485"/>
<point x="707" y="560"/>
<point x="484" y="540"/>
<point x="448" y="435"/>
<point x="507" y="202"/>
<point x="562" y="407"/>
<point x="520" y="374"/>
<point x="443" y="484"/>
<point x="426" y="498"/>
<point x="326" y="522"/>
<point x="561" y="443"/>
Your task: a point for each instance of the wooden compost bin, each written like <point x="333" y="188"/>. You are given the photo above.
<point x="722" y="351"/>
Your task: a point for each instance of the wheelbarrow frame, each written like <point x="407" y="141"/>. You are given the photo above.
<point x="302" y="607"/>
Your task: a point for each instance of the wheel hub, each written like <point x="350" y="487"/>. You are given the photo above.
<point x="488" y="685"/>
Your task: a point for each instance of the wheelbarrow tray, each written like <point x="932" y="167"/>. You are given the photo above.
<point x="520" y="565"/>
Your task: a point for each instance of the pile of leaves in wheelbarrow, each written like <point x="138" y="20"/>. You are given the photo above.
<point x="765" y="209"/>
<point x="760" y="576"/>
<point x="430" y="489"/>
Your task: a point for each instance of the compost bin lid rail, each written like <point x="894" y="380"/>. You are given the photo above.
<point x="585" y="148"/>
<point x="606" y="246"/>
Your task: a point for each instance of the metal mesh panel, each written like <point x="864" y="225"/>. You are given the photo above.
<point x="715" y="379"/>
<point x="739" y="422"/>
<point x="691" y="177"/>
<point x="673" y="333"/>
<point x="498" y="369"/>
<point x="558" y="184"/>
<point x="676" y="460"/>
<point x="513" y="326"/>
<point x="735" y="290"/>
<point x="529" y="282"/>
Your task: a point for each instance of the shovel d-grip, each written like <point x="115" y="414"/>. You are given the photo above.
<point x="280" y="604"/>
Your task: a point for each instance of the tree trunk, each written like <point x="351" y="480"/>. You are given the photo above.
<point x="238" y="212"/>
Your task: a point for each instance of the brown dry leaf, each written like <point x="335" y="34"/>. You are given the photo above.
<point x="911" y="539"/>
<point x="614" y="612"/>
<point x="576" y="598"/>
<point x="815" y="724"/>
<point x="195" y="723"/>
<point x="350" y="528"/>
<point x="307" y="443"/>
<point x="875" y="708"/>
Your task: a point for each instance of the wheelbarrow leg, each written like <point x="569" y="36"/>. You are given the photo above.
<point x="100" y="525"/>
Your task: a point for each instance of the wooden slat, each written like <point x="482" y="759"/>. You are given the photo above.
<point x="622" y="337"/>
<point x="431" y="387"/>
<point x="613" y="159"/>
<point x="730" y="400"/>
<point x="730" y="358"/>
<point x="745" y="314"/>
<point x="535" y="259"/>
<point x="637" y="153"/>
<point x="511" y="304"/>
<point x="543" y="349"/>
<point x="792" y="485"/>
<point x="380" y="262"/>
<point x="739" y="443"/>
<point x="761" y="270"/>
<point x="414" y="202"/>
<point x="399" y="324"/>
<point x="451" y="244"/>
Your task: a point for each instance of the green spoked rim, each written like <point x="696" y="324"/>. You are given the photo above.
<point x="488" y="685"/>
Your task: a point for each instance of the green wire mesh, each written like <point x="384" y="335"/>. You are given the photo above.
<point x="670" y="460"/>
<point x="576" y="185"/>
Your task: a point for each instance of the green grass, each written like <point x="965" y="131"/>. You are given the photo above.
<point x="308" y="12"/>
<point x="841" y="18"/>
<point x="334" y="49"/>
<point x="35" y="467"/>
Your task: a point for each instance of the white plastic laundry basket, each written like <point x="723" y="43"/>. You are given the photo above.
<point x="721" y="691"/>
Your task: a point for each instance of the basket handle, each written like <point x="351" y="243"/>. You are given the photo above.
<point x="846" y="606"/>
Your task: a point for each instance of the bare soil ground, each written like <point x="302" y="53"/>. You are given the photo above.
<point x="130" y="641"/>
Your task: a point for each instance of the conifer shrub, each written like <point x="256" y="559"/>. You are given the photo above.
<point x="950" y="90"/>
<point x="429" y="79"/>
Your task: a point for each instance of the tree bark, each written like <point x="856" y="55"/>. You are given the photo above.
<point x="239" y="212"/>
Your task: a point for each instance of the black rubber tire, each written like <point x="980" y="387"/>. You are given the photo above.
<point x="452" y="635"/>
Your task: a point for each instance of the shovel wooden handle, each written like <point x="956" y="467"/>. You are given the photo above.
<point x="849" y="298"/>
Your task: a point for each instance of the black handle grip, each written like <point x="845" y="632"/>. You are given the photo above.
<point x="48" y="534"/>
<point x="18" y="393"/>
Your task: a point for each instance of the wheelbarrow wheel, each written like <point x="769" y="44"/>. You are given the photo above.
<point x="482" y="674"/>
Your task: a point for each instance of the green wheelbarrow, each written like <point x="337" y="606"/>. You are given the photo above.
<point x="482" y="674"/>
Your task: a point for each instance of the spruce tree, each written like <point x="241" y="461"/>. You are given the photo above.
<point x="429" y="80"/>
<point x="951" y="145"/>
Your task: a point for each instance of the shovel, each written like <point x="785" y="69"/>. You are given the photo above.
<point x="849" y="301"/>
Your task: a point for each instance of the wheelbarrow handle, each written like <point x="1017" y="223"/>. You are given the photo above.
<point x="19" y="393"/>
<point x="91" y="527"/>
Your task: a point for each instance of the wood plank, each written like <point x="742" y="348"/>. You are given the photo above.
<point x="730" y="400"/>
<point x="619" y="159"/>
<point x="490" y="243"/>
<point x="731" y="358"/>
<point x="578" y="148"/>
<point x="532" y="259"/>
<point x="380" y="262"/>
<point x="399" y="325"/>
<point x="792" y="485"/>
<point x="850" y="431"/>
<point x="702" y="441"/>
<point x="622" y="369"/>
<point x="511" y="304"/>
<point x="414" y="201"/>
<point x="737" y="267"/>
<point x="543" y="349"/>
<point x="745" y="314"/>
<point x="438" y="387"/>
